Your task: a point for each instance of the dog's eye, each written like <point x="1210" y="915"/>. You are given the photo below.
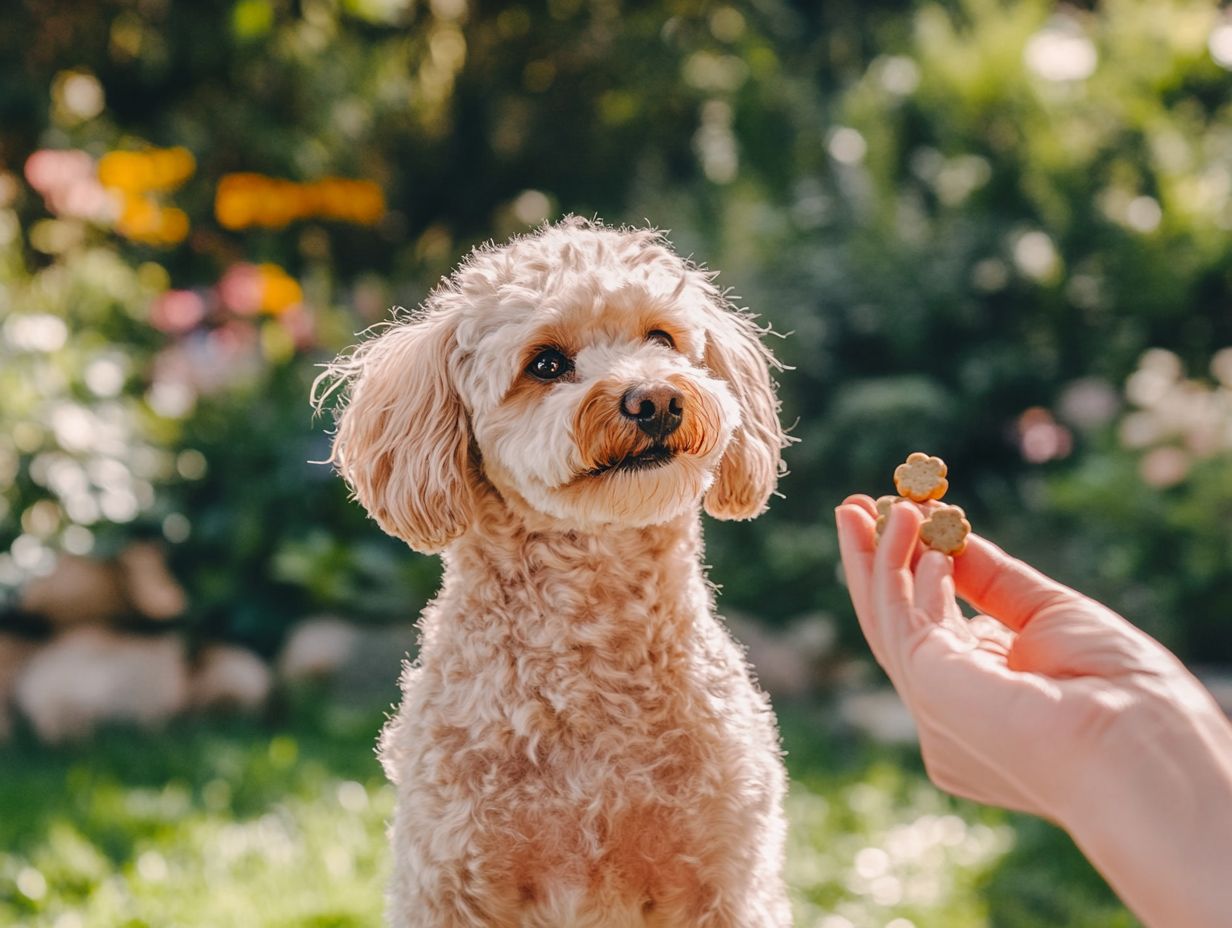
<point x="549" y="364"/>
<point x="659" y="337"/>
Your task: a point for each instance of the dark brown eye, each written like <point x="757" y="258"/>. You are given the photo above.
<point x="659" y="337"/>
<point x="549" y="364"/>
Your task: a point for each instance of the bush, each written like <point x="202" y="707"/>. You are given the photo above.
<point x="974" y="218"/>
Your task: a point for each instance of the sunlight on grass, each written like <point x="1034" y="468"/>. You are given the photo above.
<point x="223" y="822"/>
<point x="316" y="856"/>
<point x="888" y="851"/>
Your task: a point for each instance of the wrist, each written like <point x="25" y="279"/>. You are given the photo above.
<point x="1160" y="738"/>
<point x="1150" y="804"/>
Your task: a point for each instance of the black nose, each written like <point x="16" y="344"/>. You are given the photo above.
<point x="657" y="408"/>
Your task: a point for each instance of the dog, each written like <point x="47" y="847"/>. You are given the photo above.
<point x="580" y="741"/>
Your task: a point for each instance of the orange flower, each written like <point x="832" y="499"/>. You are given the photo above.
<point x="143" y="220"/>
<point x="173" y="227"/>
<point x="236" y="200"/>
<point x="159" y="169"/>
<point x="247" y="199"/>
<point x="279" y="290"/>
<point x="139" y="218"/>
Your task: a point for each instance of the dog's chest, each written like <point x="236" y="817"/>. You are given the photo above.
<point x="611" y="774"/>
<point x="607" y="791"/>
<point x="617" y="834"/>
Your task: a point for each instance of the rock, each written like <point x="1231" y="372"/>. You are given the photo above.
<point x="362" y="664"/>
<point x="15" y="652"/>
<point x="371" y="671"/>
<point x="780" y="668"/>
<point x="316" y="649"/>
<point x="90" y="676"/>
<point x="152" y="590"/>
<point x="78" y="591"/>
<point x="786" y="663"/>
<point x="86" y="591"/>
<point x="815" y="635"/>
<point x="879" y="714"/>
<point x="230" y="677"/>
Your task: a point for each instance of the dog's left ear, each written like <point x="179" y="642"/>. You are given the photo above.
<point x="750" y="467"/>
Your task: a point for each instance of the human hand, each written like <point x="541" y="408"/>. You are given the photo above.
<point x="1051" y="703"/>
<point x="1021" y="705"/>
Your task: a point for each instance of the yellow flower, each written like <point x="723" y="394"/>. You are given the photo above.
<point x="279" y="290"/>
<point x="170" y="167"/>
<point x="143" y="220"/>
<point x="246" y="199"/>
<point x="139" y="218"/>
<point x="159" y="169"/>
<point x="173" y="227"/>
<point x="236" y="200"/>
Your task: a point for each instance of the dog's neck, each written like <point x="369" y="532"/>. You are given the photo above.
<point x="612" y="589"/>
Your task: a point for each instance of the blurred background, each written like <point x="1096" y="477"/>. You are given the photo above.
<point x="994" y="230"/>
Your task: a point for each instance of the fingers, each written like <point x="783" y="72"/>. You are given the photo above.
<point x="894" y="607"/>
<point x="934" y="595"/>
<point x="933" y="583"/>
<point x="856" y="545"/>
<point x="864" y="502"/>
<point x="1004" y="587"/>
<point x="898" y="623"/>
<point x="855" y="539"/>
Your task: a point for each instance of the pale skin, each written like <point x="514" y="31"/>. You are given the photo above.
<point x="1050" y="703"/>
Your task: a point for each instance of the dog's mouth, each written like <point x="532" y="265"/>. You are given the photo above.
<point x="656" y="455"/>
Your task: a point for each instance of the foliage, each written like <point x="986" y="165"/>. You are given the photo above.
<point x="1162" y="516"/>
<point x="1012" y="205"/>
<point x="222" y="821"/>
<point x="217" y="823"/>
<point x="973" y="216"/>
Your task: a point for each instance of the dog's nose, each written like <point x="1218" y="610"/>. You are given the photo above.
<point x="657" y="408"/>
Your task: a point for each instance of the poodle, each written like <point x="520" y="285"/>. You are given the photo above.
<point x="580" y="742"/>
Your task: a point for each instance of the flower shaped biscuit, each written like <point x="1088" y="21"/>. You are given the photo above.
<point x="921" y="477"/>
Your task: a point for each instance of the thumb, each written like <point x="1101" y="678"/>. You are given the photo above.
<point x="1004" y="587"/>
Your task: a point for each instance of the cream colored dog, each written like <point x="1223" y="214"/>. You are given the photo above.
<point x="579" y="743"/>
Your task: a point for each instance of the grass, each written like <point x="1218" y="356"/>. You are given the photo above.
<point x="232" y="822"/>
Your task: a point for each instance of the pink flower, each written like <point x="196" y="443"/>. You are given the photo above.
<point x="207" y="362"/>
<point x="1164" y="467"/>
<point x="301" y="324"/>
<point x="177" y="311"/>
<point x="49" y="170"/>
<point x="69" y="186"/>
<point x="240" y="289"/>
<point x="1041" y="438"/>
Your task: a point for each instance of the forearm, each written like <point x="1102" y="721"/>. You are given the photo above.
<point x="1154" y="815"/>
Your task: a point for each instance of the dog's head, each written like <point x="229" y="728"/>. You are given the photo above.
<point x="587" y="373"/>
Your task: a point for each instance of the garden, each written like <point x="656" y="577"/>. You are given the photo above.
<point x="996" y="230"/>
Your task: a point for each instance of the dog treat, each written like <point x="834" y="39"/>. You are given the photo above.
<point x="883" y="511"/>
<point x="946" y="530"/>
<point x="921" y="477"/>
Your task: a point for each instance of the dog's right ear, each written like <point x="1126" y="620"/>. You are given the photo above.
<point x="402" y="442"/>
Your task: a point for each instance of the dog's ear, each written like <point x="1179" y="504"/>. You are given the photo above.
<point x="402" y="442"/>
<point x="750" y="467"/>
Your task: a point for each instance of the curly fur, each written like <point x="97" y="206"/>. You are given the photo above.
<point x="579" y="742"/>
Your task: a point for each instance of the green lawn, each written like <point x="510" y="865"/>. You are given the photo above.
<point x="237" y="823"/>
